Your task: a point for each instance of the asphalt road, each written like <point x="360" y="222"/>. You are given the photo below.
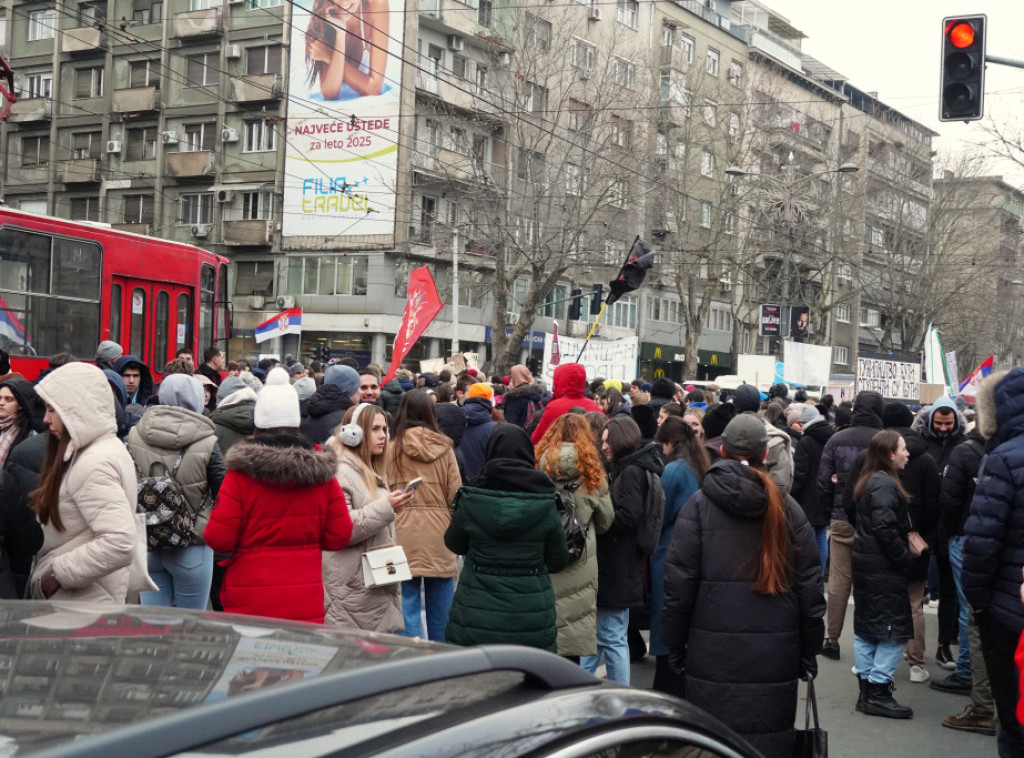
<point x="854" y="735"/>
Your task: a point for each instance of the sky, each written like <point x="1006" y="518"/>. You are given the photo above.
<point x="894" y="47"/>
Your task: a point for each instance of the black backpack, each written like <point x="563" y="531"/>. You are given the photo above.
<point x="648" y="532"/>
<point x="575" y="532"/>
<point x="170" y="522"/>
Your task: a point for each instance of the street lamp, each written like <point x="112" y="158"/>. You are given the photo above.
<point x="786" y="210"/>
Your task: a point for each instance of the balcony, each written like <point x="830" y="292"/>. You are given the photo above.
<point x="85" y="39"/>
<point x="32" y="109"/>
<point x="777" y="48"/>
<point x="195" y="163"/>
<point x="673" y="56"/>
<point x="204" y="23"/>
<point x="249" y="232"/>
<point x="256" y="89"/>
<point x="78" y="171"/>
<point x="449" y="165"/>
<point x="137" y="100"/>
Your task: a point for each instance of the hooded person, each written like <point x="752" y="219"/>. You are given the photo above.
<point x="646" y="417"/>
<point x="21" y="414"/>
<point x="326" y="407"/>
<point x="471" y="453"/>
<point x="779" y="460"/>
<point x="125" y="421"/>
<point x="570" y="382"/>
<point x="662" y="391"/>
<point x="233" y="417"/>
<point x="815" y="432"/>
<point x="521" y="402"/>
<point x="714" y="423"/>
<point x="391" y="396"/>
<point x="138" y="388"/>
<point x="942" y="427"/>
<point x="507" y="525"/>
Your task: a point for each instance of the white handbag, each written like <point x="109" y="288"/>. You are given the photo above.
<point x="385" y="565"/>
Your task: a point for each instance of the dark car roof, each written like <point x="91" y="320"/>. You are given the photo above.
<point x="136" y="681"/>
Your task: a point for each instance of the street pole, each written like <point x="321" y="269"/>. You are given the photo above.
<point x="455" y="291"/>
<point x="784" y="306"/>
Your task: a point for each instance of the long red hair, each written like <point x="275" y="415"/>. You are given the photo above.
<point x="574" y="428"/>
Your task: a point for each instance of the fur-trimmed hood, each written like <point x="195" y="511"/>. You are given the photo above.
<point x="282" y="461"/>
<point x="989" y="420"/>
<point x="523" y="390"/>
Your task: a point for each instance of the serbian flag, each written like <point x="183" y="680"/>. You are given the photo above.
<point x="421" y="307"/>
<point x="10" y="327"/>
<point x="969" y="386"/>
<point x="556" y="353"/>
<point x="286" y="322"/>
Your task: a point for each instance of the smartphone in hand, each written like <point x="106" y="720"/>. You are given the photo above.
<point x="413" y="485"/>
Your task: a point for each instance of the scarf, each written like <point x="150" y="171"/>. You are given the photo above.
<point x="10" y="427"/>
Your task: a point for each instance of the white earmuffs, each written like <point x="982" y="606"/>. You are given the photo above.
<point x="351" y="434"/>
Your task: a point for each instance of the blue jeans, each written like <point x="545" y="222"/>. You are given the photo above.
<point x="821" y="535"/>
<point x="876" y="660"/>
<point x="956" y="560"/>
<point x="183" y="576"/>
<point x="439" y="592"/>
<point x="612" y="624"/>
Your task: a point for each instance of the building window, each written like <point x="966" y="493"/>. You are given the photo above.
<point x="712" y="62"/>
<point x="626" y="12"/>
<point x="623" y="313"/>
<point x="327" y="275"/>
<point x="200" y="5"/>
<point x="840" y="355"/>
<point x="481" y="80"/>
<point x="85" y="145"/>
<point x="485" y="13"/>
<point x="734" y="126"/>
<point x="582" y="54"/>
<point x="458" y="67"/>
<point x="202" y="70"/>
<point x="663" y="309"/>
<point x="85" y="209"/>
<point x="538" y="33"/>
<point x="710" y="111"/>
<point x="257" y="4"/>
<point x="38" y="85"/>
<point x="730" y="223"/>
<point x="573" y="179"/>
<point x="260" y="137"/>
<point x="35" y="151"/>
<point x="531" y="167"/>
<point x="707" y="163"/>
<point x="845" y="273"/>
<point x="42" y="24"/>
<point x="624" y="72"/>
<point x="144" y="74"/>
<point x="673" y="88"/>
<point x="686" y="44"/>
<point x="263" y="60"/>
<point x="622" y="132"/>
<point x="843" y="313"/>
<point x="877" y="236"/>
<point x="147" y="11"/>
<point x="196" y="208"/>
<point x="199" y="137"/>
<point x="89" y="82"/>
<point x="869" y="317"/>
<point x="141" y="144"/>
<point x="720" y="318"/>
<point x="256" y="205"/>
<point x="138" y="209"/>
<point x="536" y="99"/>
<point x="618" y="194"/>
<point x="554" y="309"/>
<point x="705" y="214"/>
<point x="736" y="74"/>
<point x="92" y="14"/>
<point x="577" y="116"/>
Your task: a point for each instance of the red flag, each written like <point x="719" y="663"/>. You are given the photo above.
<point x="420" y="309"/>
<point x="556" y="353"/>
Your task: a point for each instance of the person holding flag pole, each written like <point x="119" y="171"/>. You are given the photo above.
<point x="630" y="277"/>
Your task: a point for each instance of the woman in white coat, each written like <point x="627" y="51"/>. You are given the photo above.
<point x="87" y="492"/>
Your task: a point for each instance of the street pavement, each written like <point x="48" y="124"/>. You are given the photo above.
<point x="854" y="735"/>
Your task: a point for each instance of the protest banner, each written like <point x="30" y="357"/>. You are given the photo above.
<point x="891" y="379"/>
<point x="611" y="360"/>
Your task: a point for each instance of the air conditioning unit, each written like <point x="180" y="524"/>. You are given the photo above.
<point x="504" y="59"/>
<point x="583" y="73"/>
<point x="169" y="138"/>
<point x="225" y="196"/>
<point x="113" y="146"/>
<point x="595" y="13"/>
<point x="229" y="135"/>
<point x="201" y="230"/>
<point x="256" y="302"/>
<point x="233" y="52"/>
<point x="455" y="43"/>
<point x="284" y="302"/>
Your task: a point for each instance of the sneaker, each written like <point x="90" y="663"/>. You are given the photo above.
<point x="968" y="721"/>
<point x="853" y="670"/>
<point x="830" y="650"/>
<point x="944" y="658"/>
<point x="919" y="674"/>
<point x="952" y="683"/>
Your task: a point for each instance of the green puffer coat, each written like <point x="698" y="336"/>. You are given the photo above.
<point x="576" y="585"/>
<point x="511" y="541"/>
<point x="233" y="423"/>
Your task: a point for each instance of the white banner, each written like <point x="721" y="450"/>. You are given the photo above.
<point x="952" y="371"/>
<point x="891" y="379"/>
<point x="807" y="364"/>
<point x="345" y="86"/>
<point x="610" y="360"/>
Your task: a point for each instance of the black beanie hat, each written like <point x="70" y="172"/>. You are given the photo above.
<point x="896" y="415"/>
<point x="646" y="417"/>
<point x="663" y="388"/>
<point x="715" y="420"/>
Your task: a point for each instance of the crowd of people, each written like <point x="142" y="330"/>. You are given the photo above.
<point x="567" y="518"/>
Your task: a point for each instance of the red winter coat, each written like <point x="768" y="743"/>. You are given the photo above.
<point x="569" y="382"/>
<point x="278" y="508"/>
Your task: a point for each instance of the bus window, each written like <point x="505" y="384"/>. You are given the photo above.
<point x="115" y="312"/>
<point x="184" y="335"/>
<point x="76" y="269"/>
<point x="137" y="344"/>
<point x="206" y="284"/>
<point x="163" y="324"/>
<point x="25" y="264"/>
<point x="225" y="306"/>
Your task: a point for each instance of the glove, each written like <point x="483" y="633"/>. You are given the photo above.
<point x="677" y="661"/>
<point x="808" y="668"/>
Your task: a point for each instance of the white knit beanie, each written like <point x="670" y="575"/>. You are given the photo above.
<point x="277" y="406"/>
<point x="278" y="375"/>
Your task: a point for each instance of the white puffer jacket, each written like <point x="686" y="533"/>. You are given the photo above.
<point x="91" y="556"/>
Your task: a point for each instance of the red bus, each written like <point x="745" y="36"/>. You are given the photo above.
<point x="68" y="285"/>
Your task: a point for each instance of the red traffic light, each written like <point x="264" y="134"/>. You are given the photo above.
<point x="961" y="34"/>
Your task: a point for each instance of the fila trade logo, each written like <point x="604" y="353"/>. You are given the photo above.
<point x="321" y="195"/>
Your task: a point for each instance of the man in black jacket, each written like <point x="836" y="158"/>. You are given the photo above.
<point x="326" y="408"/>
<point x="814" y="433"/>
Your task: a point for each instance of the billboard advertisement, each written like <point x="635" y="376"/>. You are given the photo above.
<point x="345" y="92"/>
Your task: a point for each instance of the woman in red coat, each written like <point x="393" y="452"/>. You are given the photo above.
<point x="568" y="383"/>
<point x="278" y="508"/>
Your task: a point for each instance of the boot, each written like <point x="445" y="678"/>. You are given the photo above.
<point x="880" y="702"/>
<point x="863" y="693"/>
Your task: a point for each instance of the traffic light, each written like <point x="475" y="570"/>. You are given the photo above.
<point x="598" y="300"/>
<point x="576" y="305"/>
<point x="962" y="97"/>
<point x="325" y="354"/>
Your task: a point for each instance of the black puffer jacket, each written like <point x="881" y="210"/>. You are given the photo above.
<point x="743" y="649"/>
<point x="391" y="396"/>
<point x="452" y="420"/>
<point x="881" y="562"/>
<point x="806" y="461"/>
<point x="842" y="448"/>
<point x="20" y="537"/>
<point x="516" y="404"/>
<point x="325" y="410"/>
<point x="620" y="561"/>
<point x="959" y="482"/>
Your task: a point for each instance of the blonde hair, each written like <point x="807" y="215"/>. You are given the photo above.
<point x="372" y="465"/>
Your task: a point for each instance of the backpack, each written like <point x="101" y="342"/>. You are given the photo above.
<point x="170" y="522"/>
<point x="575" y="532"/>
<point x="648" y="532"/>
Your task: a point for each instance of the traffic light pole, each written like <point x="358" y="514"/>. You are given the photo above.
<point x="1011" y="62"/>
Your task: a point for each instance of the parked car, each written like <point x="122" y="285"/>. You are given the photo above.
<point x="78" y="680"/>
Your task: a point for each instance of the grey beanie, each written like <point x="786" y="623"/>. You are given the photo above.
<point x="304" y="387"/>
<point x="747" y="398"/>
<point x="229" y="386"/>
<point x="183" y="391"/>
<point x="109" y="351"/>
<point x="745" y="435"/>
<point x="808" y="414"/>
<point x="251" y="381"/>
<point x="344" y="378"/>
